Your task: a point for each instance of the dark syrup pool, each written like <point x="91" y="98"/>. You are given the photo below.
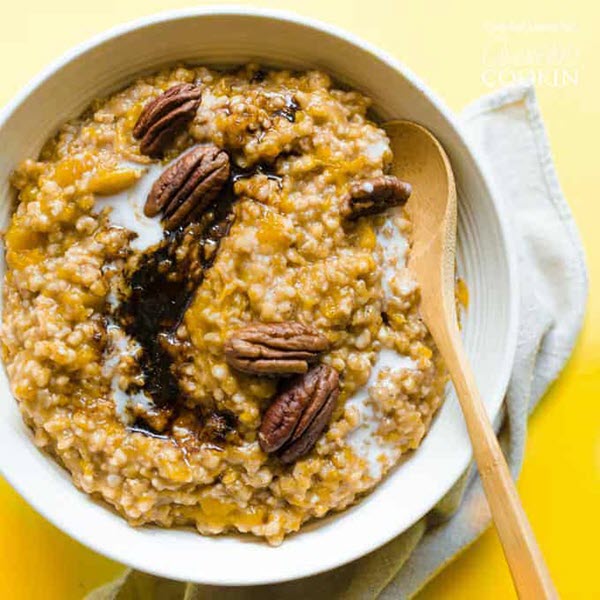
<point x="162" y="287"/>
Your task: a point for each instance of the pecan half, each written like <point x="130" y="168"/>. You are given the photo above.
<point x="373" y="196"/>
<point x="274" y="348"/>
<point x="297" y="417"/>
<point x="164" y="116"/>
<point x="188" y="186"/>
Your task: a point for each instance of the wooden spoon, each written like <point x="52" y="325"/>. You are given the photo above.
<point x="420" y="159"/>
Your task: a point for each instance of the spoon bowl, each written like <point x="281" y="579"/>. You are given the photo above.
<point x="420" y="159"/>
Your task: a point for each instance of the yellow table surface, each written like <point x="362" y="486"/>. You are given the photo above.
<point x="463" y="50"/>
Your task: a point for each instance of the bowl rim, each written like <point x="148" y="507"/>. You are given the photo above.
<point x="114" y="552"/>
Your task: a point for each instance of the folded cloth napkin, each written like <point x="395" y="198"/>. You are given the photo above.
<point x="507" y="131"/>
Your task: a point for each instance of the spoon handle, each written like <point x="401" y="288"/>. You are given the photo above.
<point x="529" y="572"/>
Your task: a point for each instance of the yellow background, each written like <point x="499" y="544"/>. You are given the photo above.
<point x="452" y="46"/>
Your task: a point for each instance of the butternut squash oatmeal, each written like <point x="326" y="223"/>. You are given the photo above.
<point x="207" y="318"/>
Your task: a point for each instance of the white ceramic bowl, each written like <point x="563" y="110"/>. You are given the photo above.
<point x="235" y="35"/>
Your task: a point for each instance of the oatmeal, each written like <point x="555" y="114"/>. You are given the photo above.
<point x="207" y="317"/>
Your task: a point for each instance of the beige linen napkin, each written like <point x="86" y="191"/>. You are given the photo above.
<point x="506" y="129"/>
